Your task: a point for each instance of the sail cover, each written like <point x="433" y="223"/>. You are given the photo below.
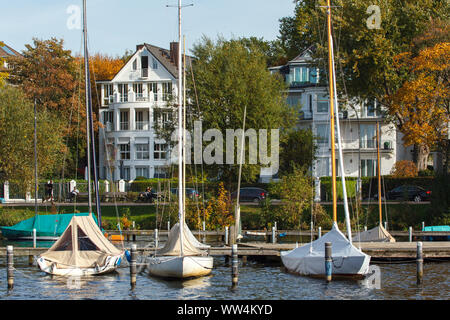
<point x="310" y="258"/>
<point x="377" y="234"/>
<point x="81" y="245"/>
<point x="191" y="246"/>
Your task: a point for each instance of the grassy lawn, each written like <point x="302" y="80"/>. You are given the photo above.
<point x="400" y="216"/>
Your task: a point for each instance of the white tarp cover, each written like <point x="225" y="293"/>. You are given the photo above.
<point x="377" y="234"/>
<point x="191" y="246"/>
<point x="310" y="258"/>
<point x="81" y="245"/>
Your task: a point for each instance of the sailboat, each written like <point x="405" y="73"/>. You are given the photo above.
<point x="347" y="259"/>
<point x="83" y="249"/>
<point x="378" y="233"/>
<point x="182" y="256"/>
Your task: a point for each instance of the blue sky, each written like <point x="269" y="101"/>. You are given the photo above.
<point x="117" y="25"/>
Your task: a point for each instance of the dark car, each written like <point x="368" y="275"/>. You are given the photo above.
<point x="250" y="194"/>
<point x="411" y="193"/>
<point x="190" y="193"/>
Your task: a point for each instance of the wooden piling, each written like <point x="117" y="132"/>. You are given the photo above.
<point x="34" y="238"/>
<point x="133" y="268"/>
<point x="156" y="238"/>
<point x="30" y="260"/>
<point x="419" y="262"/>
<point x="10" y="266"/>
<point x="244" y="260"/>
<point x="328" y="262"/>
<point x="226" y="236"/>
<point x="235" y="266"/>
<point x="274" y="235"/>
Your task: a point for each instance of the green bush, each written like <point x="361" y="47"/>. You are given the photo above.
<point x="10" y="217"/>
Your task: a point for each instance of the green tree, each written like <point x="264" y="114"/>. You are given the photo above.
<point x="48" y="72"/>
<point x="229" y="76"/>
<point x="296" y="192"/>
<point x="17" y="142"/>
<point x="366" y="56"/>
<point x="297" y="148"/>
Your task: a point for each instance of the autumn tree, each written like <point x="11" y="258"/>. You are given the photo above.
<point x="421" y="105"/>
<point x="404" y="169"/>
<point x="50" y="74"/>
<point x="17" y="139"/>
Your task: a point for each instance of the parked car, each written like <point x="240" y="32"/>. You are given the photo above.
<point x="250" y="194"/>
<point x="191" y="193"/>
<point x="411" y="193"/>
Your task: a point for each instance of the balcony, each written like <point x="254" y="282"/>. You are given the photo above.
<point x="142" y="125"/>
<point x="124" y="126"/>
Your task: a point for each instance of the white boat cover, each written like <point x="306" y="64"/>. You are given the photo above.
<point x="191" y="246"/>
<point x="377" y="234"/>
<point x="81" y="245"/>
<point x="310" y="258"/>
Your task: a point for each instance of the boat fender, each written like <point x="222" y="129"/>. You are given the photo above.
<point x="128" y="255"/>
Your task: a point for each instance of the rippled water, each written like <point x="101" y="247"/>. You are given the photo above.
<point x="257" y="280"/>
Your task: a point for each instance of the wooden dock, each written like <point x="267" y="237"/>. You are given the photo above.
<point x="378" y="251"/>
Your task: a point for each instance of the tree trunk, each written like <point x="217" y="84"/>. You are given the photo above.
<point x="421" y="156"/>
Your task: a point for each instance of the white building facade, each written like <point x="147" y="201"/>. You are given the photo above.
<point x="358" y="123"/>
<point x="134" y="103"/>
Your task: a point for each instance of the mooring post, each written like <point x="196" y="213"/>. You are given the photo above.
<point x="34" y="238"/>
<point x="156" y="238"/>
<point x="423" y="225"/>
<point x="168" y="226"/>
<point x="133" y="267"/>
<point x="244" y="260"/>
<point x="328" y="261"/>
<point x="365" y="228"/>
<point x="274" y="235"/>
<point x="419" y="262"/>
<point x="319" y="232"/>
<point x="385" y="225"/>
<point x="235" y="265"/>
<point x="10" y="266"/>
<point x="410" y="234"/>
<point x="226" y="235"/>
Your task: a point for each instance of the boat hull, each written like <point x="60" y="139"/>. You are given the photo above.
<point x="111" y="264"/>
<point x="180" y="267"/>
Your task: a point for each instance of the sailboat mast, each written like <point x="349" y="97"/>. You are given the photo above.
<point x="379" y="173"/>
<point x="184" y="124"/>
<point x="90" y="124"/>
<point x="238" y="206"/>
<point x="180" y="135"/>
<point x="35" y="161"/>
<point x="88" y="139"/>
<point x="331" y="88"/>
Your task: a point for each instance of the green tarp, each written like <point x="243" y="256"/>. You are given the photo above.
<point x="49" y="225"/>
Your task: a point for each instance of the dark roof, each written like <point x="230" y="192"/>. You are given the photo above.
<point x="163" y="56"/>
<point x="7" y="51"/>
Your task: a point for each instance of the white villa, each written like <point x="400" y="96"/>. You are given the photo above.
<point x="133" y="103"/>
<point x="357" y="123"/>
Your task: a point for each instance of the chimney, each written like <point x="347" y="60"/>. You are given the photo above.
<point x="174" y="47"/>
